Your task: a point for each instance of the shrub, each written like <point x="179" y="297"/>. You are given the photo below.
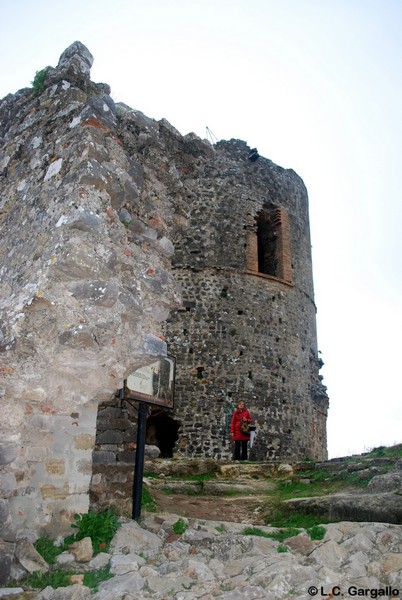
<point x="38" y="83"/>
<point x="99" y="526"/>
<point x="180" y="526"/>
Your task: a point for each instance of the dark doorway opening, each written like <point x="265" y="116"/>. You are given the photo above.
<point x="162" y="431"/>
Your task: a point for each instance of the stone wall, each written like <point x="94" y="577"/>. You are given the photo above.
<point x="242" y="333"/>
<point x="95" y="200"/>
<point x="85" y="285"/>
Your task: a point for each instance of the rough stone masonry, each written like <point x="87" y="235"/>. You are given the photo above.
<point x="95" y="200"/>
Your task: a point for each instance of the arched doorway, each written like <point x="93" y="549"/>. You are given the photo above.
<point x="162" y="431"/>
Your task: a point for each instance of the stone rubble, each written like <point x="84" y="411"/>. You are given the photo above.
<point x="214" y="559"/>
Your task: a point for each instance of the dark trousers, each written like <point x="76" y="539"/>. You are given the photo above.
<point x="240" y="444"/>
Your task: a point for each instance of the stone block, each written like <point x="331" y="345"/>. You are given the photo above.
<point x="5" y="566"/>
<point x="12" y="414"/>
<point x="8" y="453"/>
<point x="8" y="482"/>
<point x="53" y="492"/>
<point x="84" y="466"/>
<point x="29" y="557"/>
<point x="109" y="437"/>
<point x="125" y="563"/>
<point x="126" y="456"/>
<point x="55" y="466"/>
<point x="84" y="441"/>
<point x="4" y="510"/>
<point x="82" y="550"/>
<point x="103" y="457"/>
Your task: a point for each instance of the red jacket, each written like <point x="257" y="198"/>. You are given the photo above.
<point x="235" y="430"/>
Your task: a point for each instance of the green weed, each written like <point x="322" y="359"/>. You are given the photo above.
<point x="93" y="578"/>
<point x="38" y="580"/>
<point x="200" y="477"/>
<point x="46" y="548"/>
<point x="282" y="548"/>
<point x="317" y="532"/>
<point x="147" y="502"/>
<point x="387" y="452"/>
<point x="279" y="536"/>
<point x="99" y="526"/>
<point x="317" y="487"/>
<point x="284" y="534"/>
<point x="180" y="526"/>
<point x="255" y="531"/>
<point x="38" y="83"/>
<point x="297" y="520"/>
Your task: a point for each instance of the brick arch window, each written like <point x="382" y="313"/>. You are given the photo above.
<point x="269" y="245"/>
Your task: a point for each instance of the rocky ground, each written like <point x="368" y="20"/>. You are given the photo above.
<point x="215" y="559"/>
<point x="209" y="538"/>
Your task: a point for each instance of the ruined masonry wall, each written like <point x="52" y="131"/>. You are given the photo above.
<point x="96" y="201"/>
<point x="85" y="284"/>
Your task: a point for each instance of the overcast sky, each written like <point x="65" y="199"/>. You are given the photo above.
<point x="316" y="86"/>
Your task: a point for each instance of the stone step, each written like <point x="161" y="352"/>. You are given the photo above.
<point x="214" y="487"/>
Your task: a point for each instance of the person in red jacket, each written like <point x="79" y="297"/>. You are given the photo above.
<point x="241" y="415"/>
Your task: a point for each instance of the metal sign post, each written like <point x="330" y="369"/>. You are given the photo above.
<point x="152" y="384"/>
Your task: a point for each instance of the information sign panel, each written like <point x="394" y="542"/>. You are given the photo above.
<point x="153" y="384"/>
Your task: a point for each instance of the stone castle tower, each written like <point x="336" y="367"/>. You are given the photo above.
<point x="247" y="328"/>
<point x="121" y="241"/>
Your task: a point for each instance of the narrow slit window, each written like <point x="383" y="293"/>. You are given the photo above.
<point x="267" y="237"/>
<point x="269" y="245"/>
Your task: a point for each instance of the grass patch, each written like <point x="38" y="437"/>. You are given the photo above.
<point x="147" y="502"/>
<point x="315" y="476"/>
<point x="39" y="580"/>
<point x="254" y="531"/>
<point x="297" y="520"/>
<point x="61" y="578"/>
<point x="293" y="489"/>
<point x="48" y="551"/>
<point x="317" y="532"/>
<point x="92" y="579"/>
<point x="282" y="548"/>
<point x="354" y="479"/>
<point x="200" y="477"/>
<point x="284" y="534"/>
<point x="386" y="452"/>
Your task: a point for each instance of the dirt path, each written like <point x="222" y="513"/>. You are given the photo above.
<point x="237" y="509"/>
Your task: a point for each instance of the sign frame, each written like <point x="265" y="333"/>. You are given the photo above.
<point x="159" y="377"/>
